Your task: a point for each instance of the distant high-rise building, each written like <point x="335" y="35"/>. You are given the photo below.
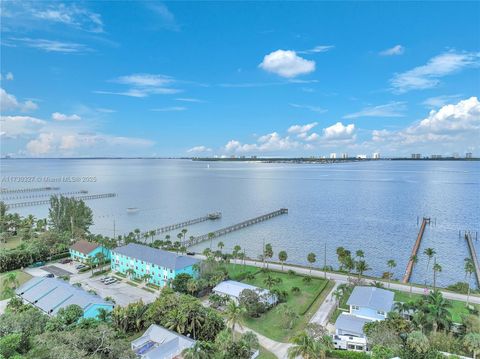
<point x="376" y="156"/>
<point x="468" y="155"/>
<point x="362" y="157"/>
<point x="436" y="157"/>
<point x="416" y="156"/>
<point x="333" y="155"/>
<point x="344" y="156"/>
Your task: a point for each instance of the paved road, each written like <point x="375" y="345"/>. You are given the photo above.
<point x="323" y="313"/>
<point x="343" y="278"/>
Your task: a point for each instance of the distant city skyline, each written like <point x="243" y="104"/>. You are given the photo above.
<point x="186" y="79"/>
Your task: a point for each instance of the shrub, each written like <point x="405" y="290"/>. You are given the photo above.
<point x="252" y="302"/>
<point x="295" y="290"/>
<point x="347" y="354"/>
<point x="291" y="272"/>
<point x="179" y="284"/>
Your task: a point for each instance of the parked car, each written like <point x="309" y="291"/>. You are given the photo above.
<point x="49" y="275"/>
<point x="105" y="279"/>
<point x="110" y="281"/>
<point x="80" y="266"/>
<point x="190" y="253"/>
<point x="66" y="260"/>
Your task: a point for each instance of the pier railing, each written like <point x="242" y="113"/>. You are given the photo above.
<point x="47" y="201"/>
<point x="235" y="227"/>
<point x="22" y="196"/>
<point x="172" y="227"/>
<point x="21" y="190"/>
<point x="473" y="254"/>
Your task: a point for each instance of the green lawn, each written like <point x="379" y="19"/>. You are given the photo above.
<point x="21" y="276"/>
<point x="457" y="310"/>
<point x="265" y="354"/>
<point x="238" y="271"/>
<point x="305" y="303"/>
<point x="13" y="242"/>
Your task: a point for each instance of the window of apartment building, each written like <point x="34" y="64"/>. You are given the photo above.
<point x="351" y="346"/>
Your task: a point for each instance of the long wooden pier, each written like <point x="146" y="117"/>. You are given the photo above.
<point x="235" y="227"/>
<point x="47" y="201"/>
<point x="416" y="246"/>
<point x="17" y="197"/>
<point x="21" y="190"/>
<point x="473" y="254"/>
<point x="172" y="227"/>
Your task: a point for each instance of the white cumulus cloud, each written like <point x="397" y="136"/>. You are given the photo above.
<point x="287" y="63"/>
<point x="57" y="116"/>
<point x="396" y="50"/>
<point x="199" y="149"/>
<point x="9" y="102"/>
<point x="339" y="131"/>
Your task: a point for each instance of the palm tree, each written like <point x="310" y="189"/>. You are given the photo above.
<point x="267" y="252"/>
<point x="418" y="342"/>
<point x="337" y="294"/>
<point x="130" y="272"/>
<point x="359" y="253"/>
<point x="10" y="283"/>
<point x="104" y="315"/>
<point x="311" y="258"/>
<point x="472" y="343"/>
<point x="469" y="270"/>
<point x="361" y="267"/>
<point x="192" y="286"/>
<point x="220" y="245"/>
<point x="282" y="257"/>
<point x="184" y="233"/>
<point x="391" y="264"/>
<point x="236" y="251"/>
<point x="270" y="281"/>
<point x="437" y="310"/>
<point x="146" y="277"/>
<point x="437" y="268"/>
<point x="429" y="252"/>
<point x="211" y="235"/>
<point x="137" y="233"/>
<point x="91" y="263"/>
<point x="306" y="347"/>
<point x="177" y="321"/>
<point x="234" y="314"/>
<point x="414" y="259"/>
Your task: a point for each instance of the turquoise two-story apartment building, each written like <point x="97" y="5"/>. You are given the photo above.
<point x="81" y="250"/>
<point x="162" y="266"/>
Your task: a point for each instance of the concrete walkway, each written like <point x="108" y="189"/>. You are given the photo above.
<point x="280" y="350"/>
<point x="326" y="309"/>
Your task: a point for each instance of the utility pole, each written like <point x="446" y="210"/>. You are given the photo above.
<point x="325" y="261"/>
<point x="114" y="237"/>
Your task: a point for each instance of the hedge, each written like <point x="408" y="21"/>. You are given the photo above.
<point x="20" y="258"/>
<point x="346" y="354"/>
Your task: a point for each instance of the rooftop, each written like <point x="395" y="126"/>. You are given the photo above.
<point x="84" y="246"/>
<point x="233" y="288"/>
<point x="160" y="343"/>
<point x="372" y="297"/>
<point x="156" y="256"/>
<point x="351" y="324"/>
<point x="51" y="294"/>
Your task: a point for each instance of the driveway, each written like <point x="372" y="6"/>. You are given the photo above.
<point x="326" y="309"/>
<point x="56" y="270"/>
<point x="121" y="292"/>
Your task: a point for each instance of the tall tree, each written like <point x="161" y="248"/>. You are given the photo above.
<point x="429" y="252"/>
<point x="268" y="252"/>
<point x="391" y="264"/>
<point x="282" y="257"/>
<point x="234" y="314"/>
<point x="437" y="268"/>
<point x="469" y="270"/>
<point x="67" y="214"/>
<point x="311" y="258"/>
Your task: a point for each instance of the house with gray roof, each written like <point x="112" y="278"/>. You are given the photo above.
<point x="233" y="289"/>
<point x="51" y="294"/>
<point x="366" y="304"/>
<point x="159" y="266"/>
<point x="160" y="343"/>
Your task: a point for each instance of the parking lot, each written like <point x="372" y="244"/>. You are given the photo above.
<point x="121" y="292"/>
<point x="57" y="271"/>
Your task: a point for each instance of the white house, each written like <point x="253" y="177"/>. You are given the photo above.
<point x="160" y="343"/>
<point x="367" y="304"/>
<point x="232" y="289"/>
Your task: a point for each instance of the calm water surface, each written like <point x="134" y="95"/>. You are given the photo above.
<point x="371" y="206"/>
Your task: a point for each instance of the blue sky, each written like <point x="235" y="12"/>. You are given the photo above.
<point x="239" y="78"/>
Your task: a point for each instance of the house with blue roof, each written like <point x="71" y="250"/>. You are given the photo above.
<point x="366" y="304"/>
<point x="51" y="294"/>
<point x="161" y="266"/>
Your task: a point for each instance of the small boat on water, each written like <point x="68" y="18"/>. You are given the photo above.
<point x="132" y="209"/>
